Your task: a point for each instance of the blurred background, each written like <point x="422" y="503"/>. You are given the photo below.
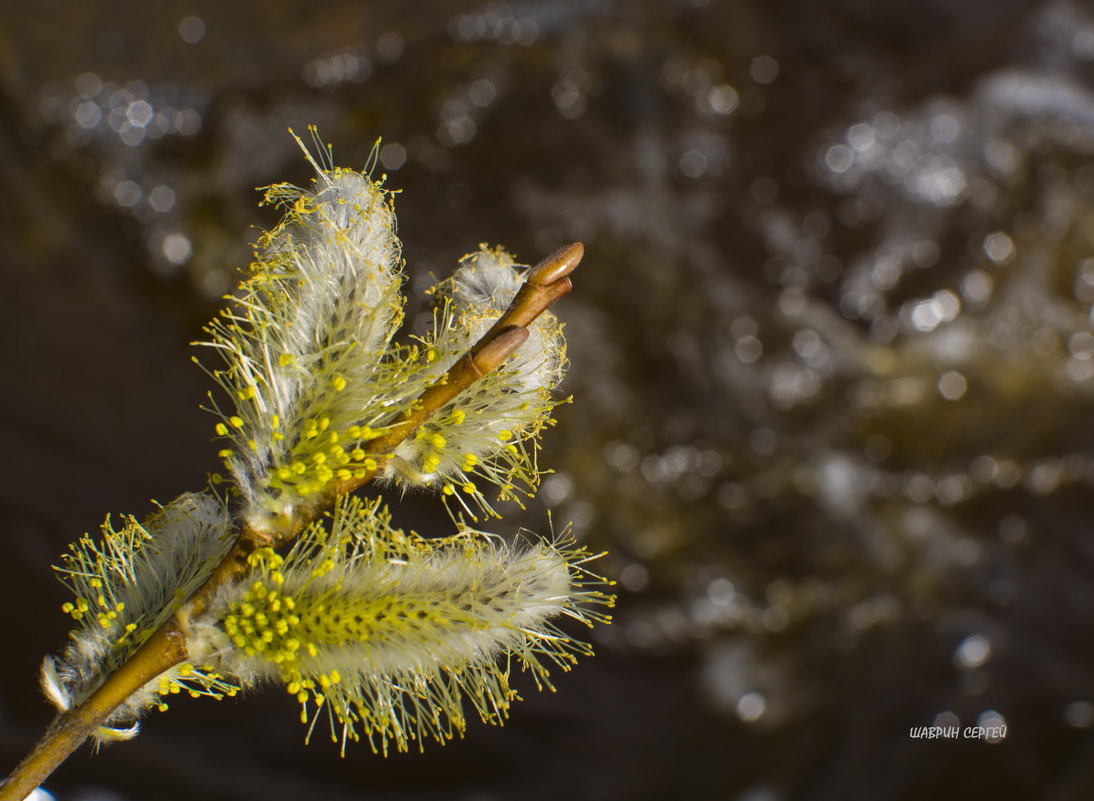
<point x="832" y="365"/>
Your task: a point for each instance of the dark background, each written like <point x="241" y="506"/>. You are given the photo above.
<point x="831" y="364"/>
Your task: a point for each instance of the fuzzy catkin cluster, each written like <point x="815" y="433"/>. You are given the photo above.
<point x="314" y="374"/>
<point x="387" y="632"/>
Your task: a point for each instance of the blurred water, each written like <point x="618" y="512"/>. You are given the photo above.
<point x="832" y="361"/>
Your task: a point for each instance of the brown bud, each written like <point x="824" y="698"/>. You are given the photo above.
<point x="558" y="265"/>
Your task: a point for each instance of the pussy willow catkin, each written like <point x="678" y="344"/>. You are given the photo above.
<point x="390" y="633"/>
<point x="125" y="586"/>
<point x="492" y="429"/>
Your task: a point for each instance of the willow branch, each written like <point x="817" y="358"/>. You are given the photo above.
<point x="163" y="650"/>
<point x="545" y="283"/>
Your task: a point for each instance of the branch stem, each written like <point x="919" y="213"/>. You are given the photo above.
<point x="163" y="650"/>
